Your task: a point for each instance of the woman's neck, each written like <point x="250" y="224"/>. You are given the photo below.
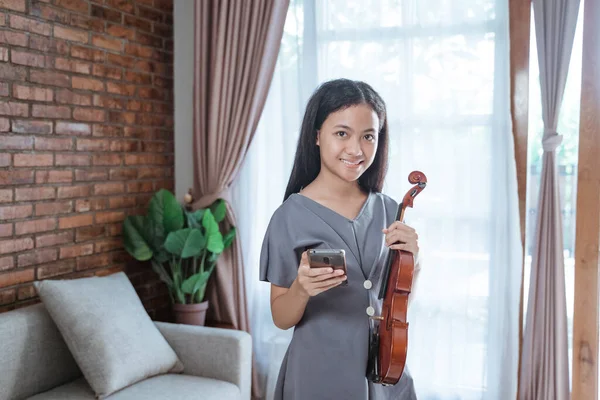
<point x="330" y="186"/>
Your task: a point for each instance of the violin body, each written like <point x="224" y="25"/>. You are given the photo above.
<point x="389" y="340"/>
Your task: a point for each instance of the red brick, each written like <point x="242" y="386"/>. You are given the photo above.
<point x="6" y="230"/>
<point x="7" y="296"/>
<point x="89" y="232"/>
<point x="109" y="102"/>
<point x="14" y="108"/>
<point x="16" y="277"/>
<point x="49" y="78"/>
<point x="138" y="77"/>
<point x="72" y="159"/>
<point x="69" y="192"/>
<point x="3" y="85"/>
<point x="120" y="60"/>
<point x="12" y="73"/>
<point x="74" y="5"/>
<point x="150" y="13"/>
<point x="123" y="174"/>
<point x="91" y="175"/>
<point x="29" y="59"/>
<point x="75" y="35"/>
<point x="89" y="114"/>
<point x="106" y="14"/>
<point x="6" y="263"/>
<point x="109" y="216"/>
<point x="35" y="127"/>
<point x="138" y="23"/>
<point x="16" y="177"/>
<point x="79" y="67"/>
<point x="49" y="45"/>
<point x="120" y="88"/>
<point x="124" y="145"/>
<point x="139" y="187"/>
<point x="120" y="31"/>
<point x="150" y="40"/>
<point x="30" y="25"/>
<point x="13" y="38"/>
<point x="76" y="251"/>
<point x="96" y="261"/>
<point x="107" y="72"/>
<point x="33" y="160"/>
<point x="16" y="143"/>
<point x="15" y="212"/>
<point x="66" y="96"/>
<point x="2" y="19"/>
<point x="25" y="292"/>
<point x="15" y="245"/>
<point x="75" y="221"/>
<point x="87" y="83"/>
<point x="123" y="5"/>
<point x="4" y="124"/>
<point x="35" y="226"/>
<point x="6" y="195"/>
<point x="43" y="111"/>
<point x="36" y="193"/>
<point x="87" y="53"/>
<point x="70" y="128"/>
<point x="49" y="13"/>
<point x="122" y="202"/>
<point x="16" y="5"/>
<point x="54" y="176"/>
<point x="32" y="93"/>
<point x="93" y="145"/>
<point x="108" y="245"/>
<point x="85" y="205"/>
<point x="61" y="207"/>
<point x="121" y="117"/>
<point x="106" y="159"/>
<point x="55" y="269"/>
<point x="56" y="144"/>
<point x="37" y="257"/>
<point x="53" y="239"/>
<point x="108" y="130"/>
<point x="108" y="43"/>
<point x="108" y="188"/>
<point x="87" y="23"/>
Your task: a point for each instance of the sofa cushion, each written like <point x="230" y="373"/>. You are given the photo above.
<point x="180" y="387"/>
<point x="108" y="331"/>
<point x="33" y="354"/>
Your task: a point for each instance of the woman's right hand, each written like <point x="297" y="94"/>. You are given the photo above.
<point x="313" y="281"/>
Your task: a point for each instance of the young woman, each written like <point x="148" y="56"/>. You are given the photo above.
<point x="334" y="201"/>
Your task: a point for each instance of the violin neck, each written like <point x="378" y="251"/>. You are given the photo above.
<point x="389" y="258"/>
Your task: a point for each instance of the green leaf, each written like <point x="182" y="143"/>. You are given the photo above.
<point x="214" y="238"/>
<point x="133" y="240"/>
<point x="165" y="212"/>
<point x="185" y="243"/>
<point x="195" y="282"/>
<point x="228" y="238"/>
<point x="219" y="209"/>
<point x="192" y="222"/>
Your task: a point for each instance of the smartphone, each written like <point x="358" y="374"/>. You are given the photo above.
<point x="334" y="258"/>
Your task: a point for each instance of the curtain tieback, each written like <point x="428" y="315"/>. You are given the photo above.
<point x="551" y="140"/>
<point x="207" y="199"/>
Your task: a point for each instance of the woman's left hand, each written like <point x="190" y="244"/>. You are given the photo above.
<point x="399" y="236"/>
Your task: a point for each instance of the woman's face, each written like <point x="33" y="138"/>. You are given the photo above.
<point x="348" y="141"/>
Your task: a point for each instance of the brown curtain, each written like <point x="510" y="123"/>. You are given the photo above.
<point x="544" y="363"/>
<point x="236" y="48"/>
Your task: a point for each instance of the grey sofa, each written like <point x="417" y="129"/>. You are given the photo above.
<point x="36" y="364"/>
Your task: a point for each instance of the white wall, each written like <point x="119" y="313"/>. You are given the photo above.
<point x="183" y="21"/>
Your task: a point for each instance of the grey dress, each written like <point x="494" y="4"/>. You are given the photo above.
<point x="327" y="356"/>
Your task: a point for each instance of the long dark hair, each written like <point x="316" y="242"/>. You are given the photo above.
<point x="330" y="97"/>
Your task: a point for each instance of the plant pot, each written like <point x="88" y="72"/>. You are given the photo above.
<point x="190" y="314"/>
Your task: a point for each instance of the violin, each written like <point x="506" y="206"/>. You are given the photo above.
<point x="388" y="345"/>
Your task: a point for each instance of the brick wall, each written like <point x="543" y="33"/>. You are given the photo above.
<point x="86" y="137"/>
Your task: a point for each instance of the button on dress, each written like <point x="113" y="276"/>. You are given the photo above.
<point x="327" y="356"/>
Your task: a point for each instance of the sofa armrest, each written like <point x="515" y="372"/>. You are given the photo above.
<point x="216" y="353"/>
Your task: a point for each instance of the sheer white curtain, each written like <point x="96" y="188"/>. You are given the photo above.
<point x="442" y="68"/>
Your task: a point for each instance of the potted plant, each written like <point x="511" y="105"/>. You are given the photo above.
<point x="182" y="246"/>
